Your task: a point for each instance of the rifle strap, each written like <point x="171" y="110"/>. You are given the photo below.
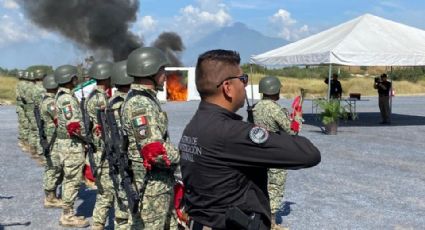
<point x="133" y="93"/>
<point x="115" y="101"/>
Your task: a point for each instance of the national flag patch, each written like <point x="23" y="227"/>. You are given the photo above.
<point x="67" y="111"/>
<point x="140" y="121"/>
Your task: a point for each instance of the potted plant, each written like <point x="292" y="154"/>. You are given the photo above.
<point x="332" y="112"/>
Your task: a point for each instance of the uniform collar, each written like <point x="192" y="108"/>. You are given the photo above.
<point x="66" y="90"/>
<point x="142" y="88"/>
<point x="49" y="94"/>
<point x="209" y="107"/>
<point x="100" y="90"/>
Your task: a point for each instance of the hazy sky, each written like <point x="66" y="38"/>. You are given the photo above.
<point x="23" y="44"/>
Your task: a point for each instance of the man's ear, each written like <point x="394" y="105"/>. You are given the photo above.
<point x="228" y="90"/>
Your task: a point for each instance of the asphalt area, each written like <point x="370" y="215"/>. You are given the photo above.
<point x="371" y="176"/>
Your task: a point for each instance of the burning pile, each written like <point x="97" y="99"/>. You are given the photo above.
<point x="176" y="88"/>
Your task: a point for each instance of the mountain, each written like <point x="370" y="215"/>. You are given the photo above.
<point x="235" y="37"/>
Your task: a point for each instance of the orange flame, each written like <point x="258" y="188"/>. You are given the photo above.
<point x="176" y="91"/>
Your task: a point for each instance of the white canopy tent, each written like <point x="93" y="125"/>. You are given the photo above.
<point x="364" y="41"/>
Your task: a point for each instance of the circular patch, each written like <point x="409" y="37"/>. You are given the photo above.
<point x="258" y="135"/>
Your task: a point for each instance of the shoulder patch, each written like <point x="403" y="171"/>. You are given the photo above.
<point x="139" y="121"/>
<point x="67" y="111"/>
<point x="258" y="135"/>
<point x="51" y="107"/>
<point x="140" y="127"/>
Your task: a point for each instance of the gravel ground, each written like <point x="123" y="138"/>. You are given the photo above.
<point x="371" y="176"/>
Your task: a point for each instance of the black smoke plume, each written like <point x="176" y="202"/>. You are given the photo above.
<point x="172" y="45"/>
<point x="93" y="24"/>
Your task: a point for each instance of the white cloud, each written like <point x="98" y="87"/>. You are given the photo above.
<point x="284" y="17"/>
<point x="15" y="29"/>
<point x="201" y="19"/>
<point x="10" y="4"/>
<point x="147" y="23"/>
<point x="11" y="31"/>
<point x="287" y="26"/>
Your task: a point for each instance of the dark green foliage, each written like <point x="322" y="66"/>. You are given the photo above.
<point x="412" y="74"/>
<point x="296" y="72"/>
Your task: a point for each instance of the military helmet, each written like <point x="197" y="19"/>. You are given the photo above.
<point x="119" y="74"/>
<point x="145" y="62"/>
<point x="64" y="74"/>
<point x="20" y="74"/>
<point x="26" y="75"/>
<point x="31" y="76"/>
<point x="39" y="74"/>
<point x="101" y="70"/>
<point x="49" y="82"/>
<point x="269" y="85"/>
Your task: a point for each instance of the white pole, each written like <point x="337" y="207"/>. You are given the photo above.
<point x="252" y="85"/>
<point x="391" y="93"/>
<point x="329" y="81"/>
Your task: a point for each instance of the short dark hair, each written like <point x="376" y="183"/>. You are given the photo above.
<point x="384" y="75"/>
<point x="211" y="69"/>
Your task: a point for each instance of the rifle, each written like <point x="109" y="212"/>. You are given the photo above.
<point x="43" y="137"/>
<point x="88" y="140"/>
<point x="121" y="161"/>
<point x="108" y="152"/>
<point x="249" y="110"/>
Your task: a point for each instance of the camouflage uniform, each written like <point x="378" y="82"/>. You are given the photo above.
<point x="145" y="123"/>
<point x="121" y="221"/>
<point x="20" y="111"/>
<point x="29" y="113"/>
<point x="52" y="175"/>
<point x="71" y="150"/>
<point x="97" y="100"/>
<point x="269" y="114"/>
<point x="35" y="93"/>
<point x="25" y="122"/>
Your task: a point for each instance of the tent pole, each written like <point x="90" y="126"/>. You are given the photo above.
<point x="391" y="92"/>
<point x="329" y="81"/>
<point x="252" y="85"/>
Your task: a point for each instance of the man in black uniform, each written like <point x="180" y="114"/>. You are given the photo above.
<point x="383" y="86"/>
<point x="336" y="89"/>
<point x="224" y="160"/>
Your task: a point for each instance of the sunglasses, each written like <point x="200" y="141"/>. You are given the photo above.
<point x="243" y="78"/>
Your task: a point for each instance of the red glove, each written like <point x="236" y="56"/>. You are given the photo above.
<point x="55" y="121"/>
<point x="73" y="128"/>
<point x="295" y="126"/>
<point x="178" y="198"/>
<point x="98" y="130"/>
<point x="151" y="151"/>
<point x="87" y="173"/>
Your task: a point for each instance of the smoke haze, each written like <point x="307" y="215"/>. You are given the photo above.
<point x="97" y="25"/>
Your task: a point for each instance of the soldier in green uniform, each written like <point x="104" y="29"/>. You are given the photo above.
<point x="37" y="95"/>
<point x="24" y="95"/>
<point x="29" y="113"/>
<point x="153" y="158"/>
<point x="20" y="109"/>
<point x="70" y="147"/>
<point x="270" y="115"/>
<point x="122" y="83"/>
<point x="52" y="173"/>
<point x="98" y="100"/>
